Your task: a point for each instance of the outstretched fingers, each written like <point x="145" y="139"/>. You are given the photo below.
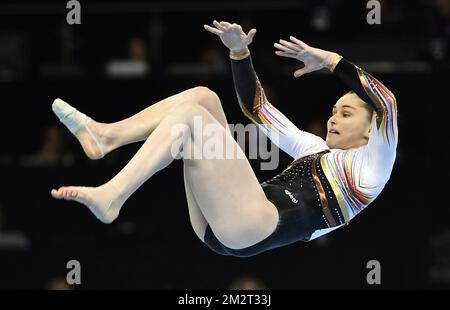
<point x="213" y="30"/>
<point x="284" y="48"/>
<point x="286" y="54"/>
<point x="298" y="42"/>
<point x="290" y="45"/>
<point x="218" y="25"/>
<point x="225" y="24"/>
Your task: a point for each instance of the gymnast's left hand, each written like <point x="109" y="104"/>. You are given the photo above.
<point x="313" y="58"/>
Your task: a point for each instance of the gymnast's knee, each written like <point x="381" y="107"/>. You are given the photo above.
<point x="206" y="98"/>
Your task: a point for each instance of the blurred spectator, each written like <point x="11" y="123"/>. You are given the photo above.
<point x="321" y="18"/>
<point x="11" y="239"/>
<point x="213" y="57"/>
<point x="53" y="151"/>
<point x="212" y="62"/>
<point x="247" y="282"/>
<point x="62" y="60"/>
<point x="137" y="49"/>
<point x="58" y="284"/>
<point x="437" y="30"/>
<point x="135" y="65"/>
<point x="444" y="8"/>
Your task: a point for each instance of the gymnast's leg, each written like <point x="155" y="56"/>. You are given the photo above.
<point x="138" y="127"/>
<point x="226" y="190"/>
<point x="98" y="139"/>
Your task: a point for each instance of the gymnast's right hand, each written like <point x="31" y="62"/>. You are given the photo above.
<point x="232" y="35"/>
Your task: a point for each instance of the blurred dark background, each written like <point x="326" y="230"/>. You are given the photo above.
<point x="127" y="55"/>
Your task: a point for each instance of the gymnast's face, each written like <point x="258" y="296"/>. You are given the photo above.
<point x="349" y="124"/>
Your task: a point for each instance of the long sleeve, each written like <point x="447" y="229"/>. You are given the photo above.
<point x="358" y="175"/>
<point x="256" y="106"/>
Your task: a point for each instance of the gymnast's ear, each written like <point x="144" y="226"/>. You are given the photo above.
<point x="373" y="119"/>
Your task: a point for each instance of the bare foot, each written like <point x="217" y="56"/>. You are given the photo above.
<point x="103" y="201"/>
<point x="92" y="135"/>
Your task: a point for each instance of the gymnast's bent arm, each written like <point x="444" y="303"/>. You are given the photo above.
<point x="378" y="156"/>
<point x="253" y="101"/>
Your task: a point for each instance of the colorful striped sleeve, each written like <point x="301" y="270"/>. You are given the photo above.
<point x="256" y="106"/>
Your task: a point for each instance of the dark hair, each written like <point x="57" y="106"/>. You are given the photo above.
<point x="369" y="108"/>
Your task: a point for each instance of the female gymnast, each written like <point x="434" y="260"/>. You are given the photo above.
<point x="328" y="183"/>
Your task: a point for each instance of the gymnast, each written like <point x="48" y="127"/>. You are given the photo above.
<point x="327" y="184"/>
